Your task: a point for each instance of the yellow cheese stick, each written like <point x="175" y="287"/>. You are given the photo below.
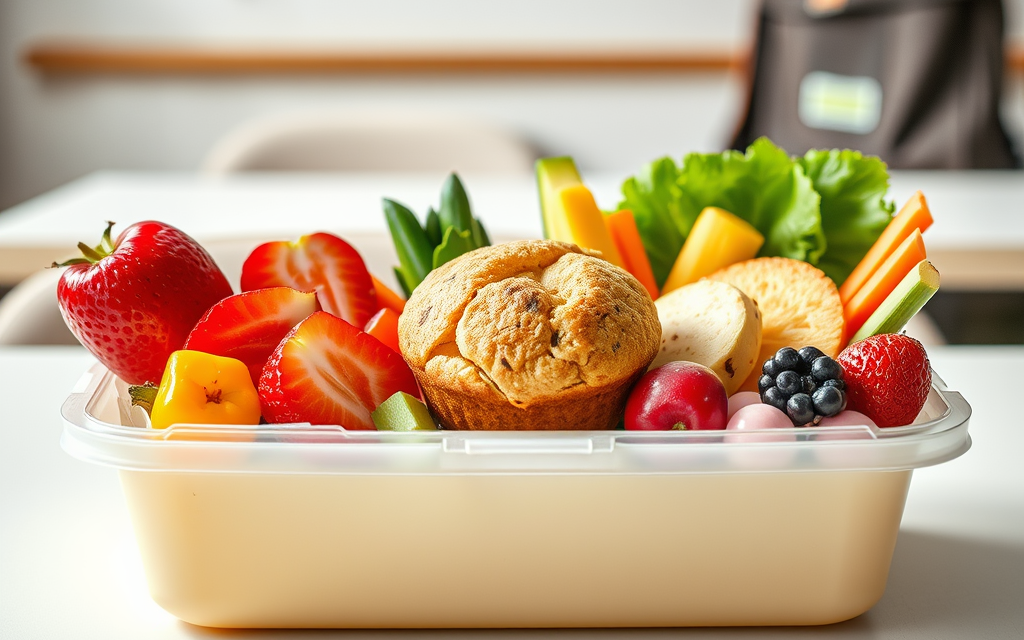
<point x="717" y="239"/>
<point x="586" y="223"/>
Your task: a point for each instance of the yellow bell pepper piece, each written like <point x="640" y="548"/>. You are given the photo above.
<point x="717" y="239"/>
<point x="586" y="223"/>
<point x="200" y="388"/>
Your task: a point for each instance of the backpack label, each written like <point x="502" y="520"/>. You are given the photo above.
<point x="851" y="104"/>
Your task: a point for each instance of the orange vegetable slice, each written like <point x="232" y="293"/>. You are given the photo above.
<point x="884" y="280"/>
<point x="384" y="326"/>
<point x="622" y="227"/>
<point x="387" y="296"/>
<point x="913" y="215"/>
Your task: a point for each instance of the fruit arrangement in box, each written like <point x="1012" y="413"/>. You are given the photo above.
<point x="734" y="291"/>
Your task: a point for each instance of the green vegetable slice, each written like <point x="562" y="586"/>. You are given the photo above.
<point x="406" y="289"/>
<point x="455" y="244"/>
<point x="480" y="237"/>
<point x="433" y="227"/>
<point x="455" y="211"/>
<point x="415" y="252"/>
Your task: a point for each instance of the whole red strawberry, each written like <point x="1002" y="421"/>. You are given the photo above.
<point x="887" y="377"/>
<point x="132" y="301"/>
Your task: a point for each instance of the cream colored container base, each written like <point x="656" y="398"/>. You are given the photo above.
<point x="315" y="526"/>
<point x="239" y="550"/>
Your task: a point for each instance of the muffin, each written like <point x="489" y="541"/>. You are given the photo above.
<point x="533" y="334"/>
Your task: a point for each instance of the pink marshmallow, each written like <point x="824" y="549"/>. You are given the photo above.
<point x="742" y="399"/>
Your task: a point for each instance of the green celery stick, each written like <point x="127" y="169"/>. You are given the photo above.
<point x="913" y="291"/>
<point x="415" y="253"/>
<point x="553" y="175"/>
<point x="455" y="211"/>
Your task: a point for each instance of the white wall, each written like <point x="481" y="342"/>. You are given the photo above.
<point x="54" y="130"/>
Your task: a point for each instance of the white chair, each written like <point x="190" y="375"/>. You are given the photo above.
<point x="346" y="141"/>
<point x="29" y="313"/>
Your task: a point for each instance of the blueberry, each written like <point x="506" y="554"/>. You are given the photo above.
<point x="787" y="359"/>
<point x="838" y="384"/>
<point x="809" y="385"/>
<point x="809" y="354"/>
<point x="763" y="383"/>
<point x="828" y="401"/>
<point x="775" y="398"/>
<point x="800" y="409"/>
<point x="789" y="382"/>
<point x="825" y="368"/>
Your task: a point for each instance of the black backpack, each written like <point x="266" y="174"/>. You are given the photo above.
<point x="916" y="82"/>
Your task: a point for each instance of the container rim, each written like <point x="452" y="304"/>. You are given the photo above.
<point x="939" y="434"/>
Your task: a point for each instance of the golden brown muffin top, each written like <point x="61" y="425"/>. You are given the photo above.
<point x="530" y="319"/>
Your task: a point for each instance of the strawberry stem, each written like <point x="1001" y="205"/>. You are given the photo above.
<point x="92" y="255"/>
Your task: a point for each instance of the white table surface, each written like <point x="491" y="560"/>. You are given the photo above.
<point x="979" y="211"/>
<point x="69" y="568"/>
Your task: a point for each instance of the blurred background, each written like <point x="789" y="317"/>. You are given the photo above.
<point x="162" y="85"/>
<point x="64" y="116"/>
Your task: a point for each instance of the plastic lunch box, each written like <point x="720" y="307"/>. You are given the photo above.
<point x="305" y="526"/>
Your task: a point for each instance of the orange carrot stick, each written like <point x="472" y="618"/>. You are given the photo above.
<point x="388" y="298"/>
<point x="899" y="263"/>
<point x="913" y="215"/>
<point x="384" y="326"/>
<point x="622" y="226"/>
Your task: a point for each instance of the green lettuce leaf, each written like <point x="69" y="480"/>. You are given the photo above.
<point x="826" y="208"/>
<point x="764" y="186"/>
<point x="853" y="207"/>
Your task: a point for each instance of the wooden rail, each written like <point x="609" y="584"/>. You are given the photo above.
<point x="87" y="59"/>
<point x="83" y="59"/>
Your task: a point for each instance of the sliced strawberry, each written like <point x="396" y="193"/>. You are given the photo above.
<point x="384" y="326"/>
<point x="249" y="326"/>
<point x="319" y="262"/>
<point x="326" y="371"/>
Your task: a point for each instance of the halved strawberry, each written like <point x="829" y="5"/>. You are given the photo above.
<point x="326" y="371"/>
<point x="319" y="262"/>
<point x="249" y="326"/>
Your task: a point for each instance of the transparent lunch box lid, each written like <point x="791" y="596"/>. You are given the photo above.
<point x="95" y="416"/>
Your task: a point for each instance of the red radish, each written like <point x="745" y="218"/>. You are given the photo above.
<point x="319" y="262"/>
<point x="248" y="326"/>
<point x="680" y="396"/>
<point x="132" y="301"/>
<point x="326" y="371"/>
<point x="384" y="326"/>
